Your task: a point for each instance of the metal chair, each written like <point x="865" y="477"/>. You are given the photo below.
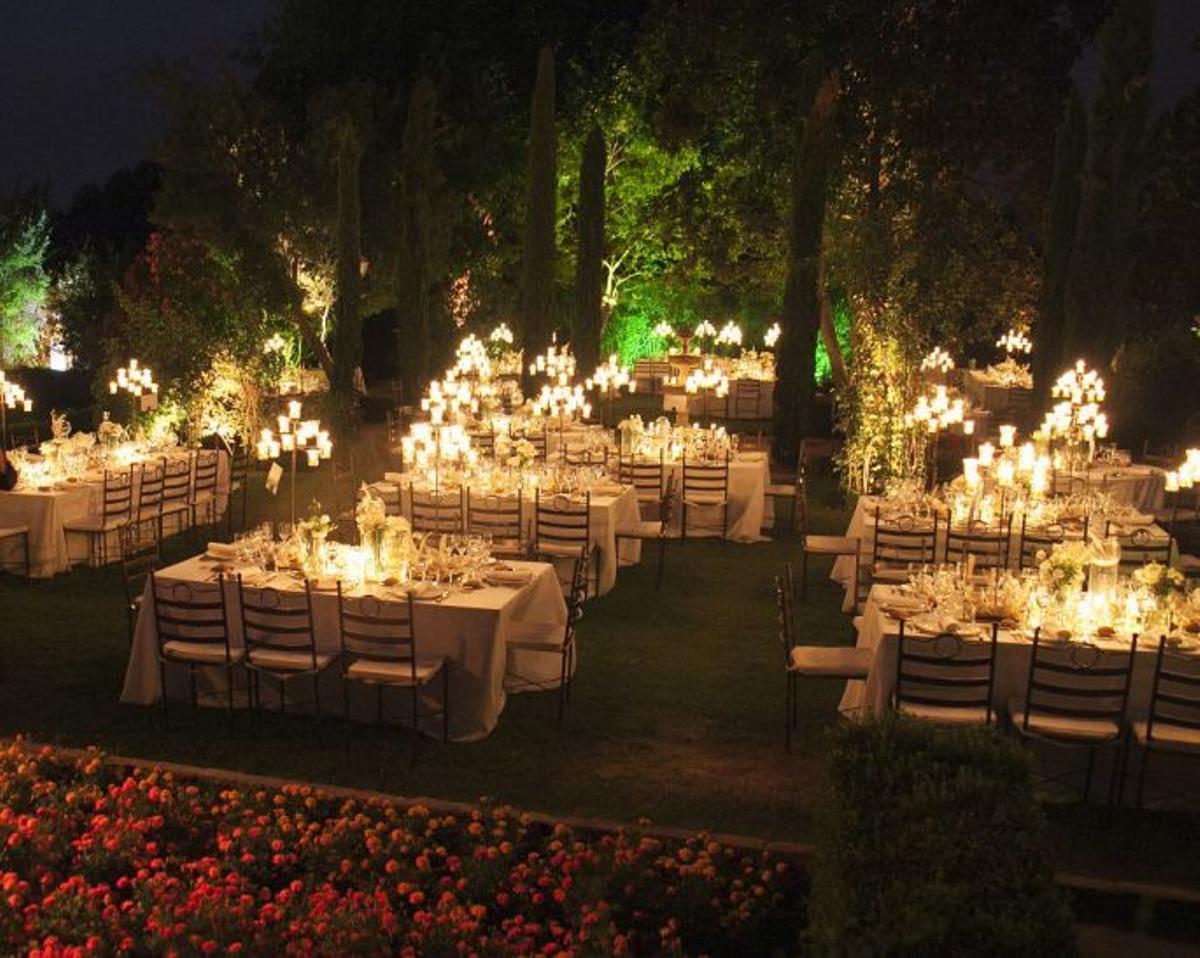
<point x="843" y="663"/>
<point x="946" y="678"/>
<point x="149" y="498"/>
<point x="1142" y="545"/>
<point x="239" y="475"/>
<point x="379" y="648"/>
<point x="203" y="498"/>
<point x="280" y="642"/>
<point x="705" y="486"/>
<point x="746" y="399"/>
<point x="140" y="556"/>
<point x="439" y="510"/>
<point x="176" y="493"/>
<point x="116" y="506"/>
<point x="657" y="530"/>
<point x="501" y="518"/>
<point x="1044" y="539"/>
<point x="565" y="649"/>
<point x="1075" y="696"/>
<point x="562" y="527"/>
<point x="647" y="476"/>
<point x="191" y="629"/>
<point x="793" y="492"/>
<point x="1172" y="722"/>
<point x="988" y="545"/>
<point x="902" y="542"/>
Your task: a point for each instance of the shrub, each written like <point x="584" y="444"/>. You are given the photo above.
<point x="932" y="843"/>
<point x="96" y="859"/>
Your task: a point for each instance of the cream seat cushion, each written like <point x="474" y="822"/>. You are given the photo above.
<point x="831" y="661"/>
<point x="393" y="671"/>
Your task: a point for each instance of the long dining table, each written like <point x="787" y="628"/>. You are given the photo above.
<point x="471" y="629"/>
<point x="47" y="508"/>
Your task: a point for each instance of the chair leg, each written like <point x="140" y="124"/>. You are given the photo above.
<point x="317" y="695"/>
<point x="445" y="704"/>
<point x="804" y="575"/>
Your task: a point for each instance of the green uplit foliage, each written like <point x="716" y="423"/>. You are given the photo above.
<point x="841" y="326"/>
<point x="23" y="286"/>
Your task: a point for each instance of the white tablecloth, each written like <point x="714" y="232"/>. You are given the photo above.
<point x="749" y="475"/>
<point x="470" y="628"/>
<point x="1139" y="486"/>
<point x="51" y="548"/>
<point x="998" y="399"/>
<point x="609" y="515"/>
<point x="880" y="633"/>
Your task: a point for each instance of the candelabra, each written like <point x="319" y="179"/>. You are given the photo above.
<point x="609" y="378"/>
<point x="430" y="445"/>
<point x="771" y="336"/>
<point x="471" y="359"/>
<point x="937" y="361"/>
<point x="1188" y="473"/>
<point x="138" y="382"/>
<point x="557" y="364"/>
<point x="296" y="436"/>
<point x="450" y="399"/>
<point x="932" y="414"/>
<point x="1077" y="419"/>
<point x="12" y="397"/>
<point x="730" y="335"/>
<point x="501" y="334"/>
<point x="1015" y="341"/>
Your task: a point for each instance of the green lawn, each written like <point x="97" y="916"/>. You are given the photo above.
<point x="676" y="714"/>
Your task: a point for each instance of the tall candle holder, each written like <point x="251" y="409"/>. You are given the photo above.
<point x="933" y="413"/>
<point x="12" y="397"/>
<point x="296" y="435"/>
<point x="137" y="381"/>
<point x="609" y="379"/>
<point x="1077" y="419"/>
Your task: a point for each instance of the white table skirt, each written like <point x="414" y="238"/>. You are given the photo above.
<point x="1140" y="486"/>
<point x="749" y="476"/>
<point x="470" y="629"/>
<point x="880" y="633"/>
<point x="51" y="548"/>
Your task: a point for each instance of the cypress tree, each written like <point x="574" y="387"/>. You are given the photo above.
<point x="537" y="287"/>
<point x="589" y="265"/>
<point x="348" y="346"/>
<point x="801" y="316"/>
<point x="1102" y="266"/>
<point x="1070" y="148"/>
<point x="414" y="299"/>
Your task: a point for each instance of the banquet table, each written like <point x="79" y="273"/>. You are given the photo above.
<point x="610" y="515"/>
<point x="862" y="527"/>
<point x="880" y="633"/>
<point x="749" y="475"/>
<point x="45" y="510"/>
<point x="997" y="397"/>
<point x="1140" y="486"/>
<point x="470" y="628"/>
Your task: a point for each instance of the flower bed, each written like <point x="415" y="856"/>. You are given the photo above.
<point x="97" y="859"/>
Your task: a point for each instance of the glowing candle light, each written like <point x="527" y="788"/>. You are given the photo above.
<point x="987" y="453"/>
<point x="1008" y="434"/>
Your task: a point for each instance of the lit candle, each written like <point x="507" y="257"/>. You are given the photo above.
<point x="1172" y="482"/>
<point x="1004" y="472"/>
<point x="289" y="441"/>
<point x="968" y="427"/>
<point x="971" y="473"/>
<point x="1026" y="457"/>
<point x="294" y="409"/>
<point x="285" y="424"/>
<point x="314" y="456"/>
<point x="112" y="387"/>
<point x="1008" y="434"/>
<point x="986" y="453"/>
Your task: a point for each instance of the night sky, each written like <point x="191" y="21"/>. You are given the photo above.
<point x="73" y="106"/>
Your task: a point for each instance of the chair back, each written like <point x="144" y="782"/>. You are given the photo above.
<point x="1141" y="545"/>
<point x="645" y="475"/>
<point x="1175" y="693"/>
<point x="946" y="671"/>
<point x="276" y="621"/>
<point x="706" y="479"/>
<point x="783" y="616"/>
<point x="117" y="493"/>
<point x="989" y="544"/>
<point x="485" y="441"/>
<point x="139" y="556"/>
<point x="436" y="510"/>
<point x="1074" y="681"/>
<point x="904" y="540"/>
<point x="239" y="463"/>
<point x="576" y="598"/>
<point x="392" y="499"/>
<point x="190" y="612"/>
<point x="537" y="439"/>
<point x="497" y="516"/>
<point x="177" y="480"/>
<point x="1067" y="484"/>
<point x="666" y="505"/>
<point x="205" y="477"/>
<point x="376" y="630"/>
<point x="1044" y="538"/>
<point x="150" y="490"/>
<point x="562" y="522"/>
<point x="584" y="455"/>
<point x="746" y="395"/>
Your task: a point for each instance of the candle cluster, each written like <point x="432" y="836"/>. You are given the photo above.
<point x="1187" y="475"/>
<point x="935" y="411"/>
<point x="664" y="329"/>
<point x="1015" y="341"/>
<point x="561" y="400"/>
<point x="705" y="329"/>
<point x="610" y="376"/>
<point x="450" y="399"/>
<point x="501" y="334"/>
<point x="134" y="379"/>
<point x="13" y="396"/>
<point x="1010" y="466"/>
<point x="556" y="363"/>
<point x="296" y="435"/>
<point x="707" y="377"/>
<point x="938" y="360"/>
<point x="429" y="445"/>
<point x="1077" y="418"/>
<point x="730" y="334"/>
<point x="771" y="336"/>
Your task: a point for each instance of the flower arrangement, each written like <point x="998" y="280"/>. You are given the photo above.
<point x="370" y="515"/>
<point x="1063" y="570"/>
<point x="937" y="360"/>
<point x="705" y="330"/>
<point x="522" y="454"/>
<point x="60" y="425"/>
<point x="1160" y="581"/>
<point x="107" y="860"/>
<point x="110" y="433"/>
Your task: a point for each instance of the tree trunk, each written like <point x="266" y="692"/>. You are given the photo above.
<point x="589" y="265"/>
<point x="801" y="316"/>
<point x="414" y="306"/>
<point x="347" y="351"/>
<point x="837" y="362"/>
<point x="537" y="287"/>
<point x="1070" y="148"/>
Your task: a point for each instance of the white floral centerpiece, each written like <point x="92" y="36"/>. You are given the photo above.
<point x="312" y="534"/>
<point x="1164" y="587"/>
<point x="1062" y="572"/>
<point x="630" y="431"/>
<point x="370" y="515"/>
<point x="110" y="434"/>
<point x="523" y="454"/>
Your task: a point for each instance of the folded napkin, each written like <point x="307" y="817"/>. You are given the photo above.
<point x="423" y="590"/>
<point x="394" y="477"/>
<point x="508" y="577"/>
<point x="905" y="602"/>
<point x="221" y="550"/>
<point x="607" y="489"/>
